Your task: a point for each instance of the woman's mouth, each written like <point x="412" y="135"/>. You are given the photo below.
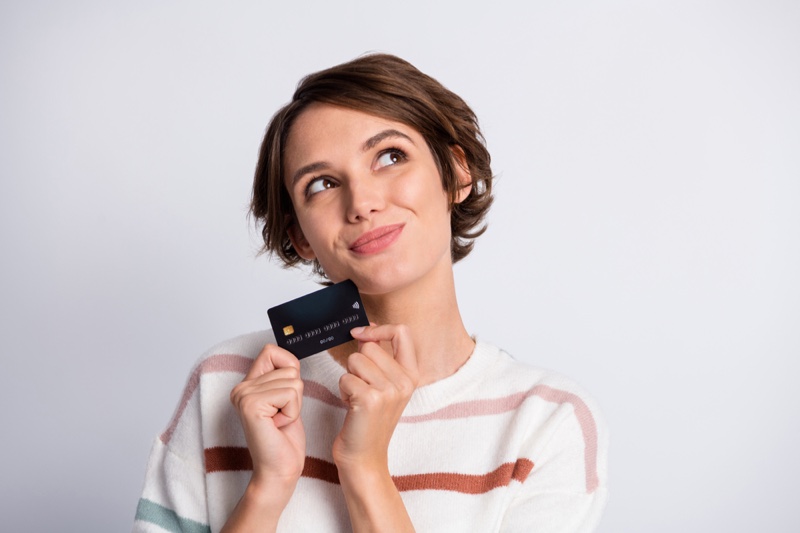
<point x="376" y="240"/>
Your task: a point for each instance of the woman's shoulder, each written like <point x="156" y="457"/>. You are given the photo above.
<point x="229" y="360"/>
<point x="511" y="373"/>
<point x="248" y="346"/>
<point x="561" y="425"/>
<point x="533" y="387"/>
<point x="206" y="393"/>
<point x="547" y="396"/>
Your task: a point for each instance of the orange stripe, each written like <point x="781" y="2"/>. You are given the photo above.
<point x="466" y="483"/>
<point x="229" y="458"/>
<point x="320" y="469"/>
<point x="234" y="458"/>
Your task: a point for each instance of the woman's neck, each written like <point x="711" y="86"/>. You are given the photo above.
<point x="430" y="310"/>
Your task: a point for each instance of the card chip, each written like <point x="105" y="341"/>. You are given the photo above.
<point x="288" y="330"/>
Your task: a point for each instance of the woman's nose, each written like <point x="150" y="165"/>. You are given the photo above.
<point x="365" y="198"/>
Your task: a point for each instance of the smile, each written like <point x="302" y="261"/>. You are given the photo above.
<point x="377" y="240"/>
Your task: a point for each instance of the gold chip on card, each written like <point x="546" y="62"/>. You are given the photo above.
<point x="288" y="330"/>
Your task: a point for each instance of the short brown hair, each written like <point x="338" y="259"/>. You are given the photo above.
<point x="389" y="87"/>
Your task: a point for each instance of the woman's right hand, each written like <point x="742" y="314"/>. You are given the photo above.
<point x="268" y="401"/>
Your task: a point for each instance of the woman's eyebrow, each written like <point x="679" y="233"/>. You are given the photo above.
<point x="385" y="134"/>
<point x="368" y="144"/>
<point x="313" y="167"/>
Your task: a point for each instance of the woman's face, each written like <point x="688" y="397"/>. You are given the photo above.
<point x="368" y="198"/>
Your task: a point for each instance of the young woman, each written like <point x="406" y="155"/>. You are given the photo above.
<point x="376" y="173"/>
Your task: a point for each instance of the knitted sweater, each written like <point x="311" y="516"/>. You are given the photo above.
<point x="497" y="446"/>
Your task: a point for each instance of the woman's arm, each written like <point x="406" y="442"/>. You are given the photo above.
<point x="376" y="389"/>
<point x="268" y="401"/>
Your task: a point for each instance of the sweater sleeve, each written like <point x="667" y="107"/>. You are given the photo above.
<point x="566" y="490"/>
<point x="174" y="494"/>
<point x="173" y="498"/>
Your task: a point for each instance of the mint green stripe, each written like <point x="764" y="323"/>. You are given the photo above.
<point x="159" y="515"/>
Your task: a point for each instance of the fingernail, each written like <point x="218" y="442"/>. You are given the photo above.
<point x="356" y="331"/>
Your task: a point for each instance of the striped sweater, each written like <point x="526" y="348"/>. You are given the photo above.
<point x="497" y="446"/>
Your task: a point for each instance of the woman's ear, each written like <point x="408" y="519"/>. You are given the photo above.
<point x="462" y="173"/>
<point x="299" y="242"/>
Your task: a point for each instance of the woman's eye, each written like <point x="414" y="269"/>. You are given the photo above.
<point x="318" y="185"/>
<point x="390" y="157"/>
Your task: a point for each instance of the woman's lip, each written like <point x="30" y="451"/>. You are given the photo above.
<point x="377" y="239"/>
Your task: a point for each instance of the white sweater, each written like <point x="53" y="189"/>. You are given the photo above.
<point x="497" y="446"/>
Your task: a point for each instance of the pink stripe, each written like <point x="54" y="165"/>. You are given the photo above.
<point x="318" y="391"/>
<point x="215" y="363"/>
<point x="513" y="401"/>
<point x="492" y="406"/>
<point x="588" y="428"/>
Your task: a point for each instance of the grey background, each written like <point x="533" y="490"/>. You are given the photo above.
<point x="645" y="238"/>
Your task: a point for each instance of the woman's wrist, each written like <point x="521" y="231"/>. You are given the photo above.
<point x="362" y="471"/>
<point x="373" y="501"/>
<point x="362" y="474"/>
<point x="270" y="491"/>
<point x="261" y="505"/>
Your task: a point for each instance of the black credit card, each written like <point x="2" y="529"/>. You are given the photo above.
<point x="318" y="321"/>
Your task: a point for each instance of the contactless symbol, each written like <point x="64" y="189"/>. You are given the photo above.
<point x="288" y="330"/>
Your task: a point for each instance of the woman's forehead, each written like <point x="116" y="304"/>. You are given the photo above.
<point x="324" y="128"/>
<point x="320" y="118"/>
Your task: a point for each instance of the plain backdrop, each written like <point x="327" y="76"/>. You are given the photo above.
<point x="645" y="238"/>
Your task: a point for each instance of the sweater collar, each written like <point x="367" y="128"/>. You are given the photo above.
<point x="323" y="369"/>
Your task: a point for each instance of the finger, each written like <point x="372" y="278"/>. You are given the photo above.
<point x="288" y="372"/>
<point x="281" y="404"/>
<point x="352" y="386"/>
<point x="390" y="369"/>
<point x="266" y="381"/>
<point x="277" y="379"/>
<point x="360" y="343"/>
<point x="366" y="368"/>
<point x="271" y="357"/>
<point x="399" y="337"/>
<point x="262" y="386"/>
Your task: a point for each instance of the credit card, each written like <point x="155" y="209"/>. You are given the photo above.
<point x="318" y="321"/>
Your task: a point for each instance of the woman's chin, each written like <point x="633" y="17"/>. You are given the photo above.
<point x="381" y="283"/>
<point x="396" y="275"/>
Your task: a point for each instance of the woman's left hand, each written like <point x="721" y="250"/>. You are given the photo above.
<point x="376" y="389"/>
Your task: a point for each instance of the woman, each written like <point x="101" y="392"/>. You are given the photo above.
<point x="376" y="173"/>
